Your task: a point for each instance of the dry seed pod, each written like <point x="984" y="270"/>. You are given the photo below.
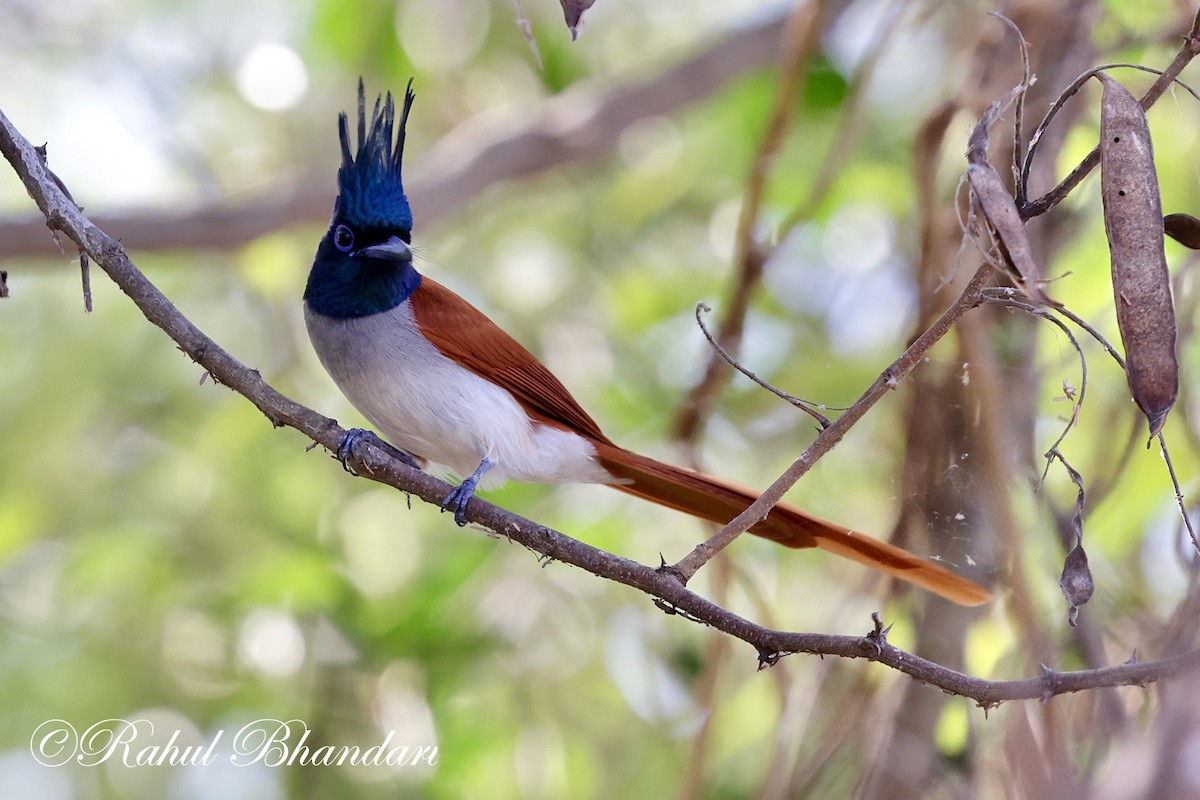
<point x="1183" y="228"/>
<point x="998" y="206"/>
<point x="1134" y="222"/>
<point x="1076" y="582"/>
<point x="573" y="12"/>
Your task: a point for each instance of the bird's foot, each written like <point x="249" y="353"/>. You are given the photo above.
<point x="355" y="436"/>
<point x="350" y="439"/>
<point x="457" y="500"/>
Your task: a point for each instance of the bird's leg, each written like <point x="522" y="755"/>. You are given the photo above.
<point x="353" y="437"/>
<point x="457" y="499"/>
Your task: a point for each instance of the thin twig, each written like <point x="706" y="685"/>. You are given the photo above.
<point x="581" y="123"/>
<point x="1189" y="50"/>
<point x="1002" y="296"/>
<point x="1019" y="109"/>
<point x="853" y="114"/>
<point x="1183" y="512"/>
<point x="1095" y="334"/>
<point x="526" y="29"/>
<point x="375" y="464"/>
<point x="1068" y="93"/>
<point x="800" y="37"/>
<point x="1179" y="497"/>
<point x="807" y="406"/>
<point x="995" y="297"/>
<point x="827" y="439"/>
<point x="379" y="465"/>
<point x="750" y="256"/>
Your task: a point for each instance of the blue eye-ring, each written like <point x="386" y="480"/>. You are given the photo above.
<point x="343" y="238"/>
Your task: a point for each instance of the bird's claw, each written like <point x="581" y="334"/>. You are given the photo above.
<point x="456" y="501"/>
<point x="351" y="439"/>
<point x="355" y="436"/>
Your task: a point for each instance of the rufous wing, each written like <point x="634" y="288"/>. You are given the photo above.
<point x="465" y="335"/>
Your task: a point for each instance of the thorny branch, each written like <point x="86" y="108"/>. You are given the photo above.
<point x="888" y="380"/>
<point x="62" y="215"/>
<point x="1189" y="50"/>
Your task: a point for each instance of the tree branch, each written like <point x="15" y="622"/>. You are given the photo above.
<point x="582" y="123"/>
<point x="1188" y="51"/>
<point x="374" y="463"/>
<point x="800" y="37"/>
<point x="828" y="438"/>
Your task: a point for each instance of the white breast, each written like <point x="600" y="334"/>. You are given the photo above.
<point x="428" y="405"/>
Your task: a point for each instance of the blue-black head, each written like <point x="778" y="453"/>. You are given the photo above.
<point x="363" y="264"/>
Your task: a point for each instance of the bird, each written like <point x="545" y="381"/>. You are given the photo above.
<point x="450" y="390"/>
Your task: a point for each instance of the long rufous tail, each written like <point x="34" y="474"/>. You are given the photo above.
<point x="717" y="501"/>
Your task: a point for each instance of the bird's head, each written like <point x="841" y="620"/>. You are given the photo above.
<point x="364" y="263"/>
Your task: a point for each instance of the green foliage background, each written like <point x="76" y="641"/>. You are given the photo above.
<point x="164" y="553"/>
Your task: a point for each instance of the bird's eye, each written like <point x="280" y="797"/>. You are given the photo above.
<point x="343" y="238"/>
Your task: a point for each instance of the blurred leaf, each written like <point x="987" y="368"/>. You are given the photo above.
<point x="825" y="89"/>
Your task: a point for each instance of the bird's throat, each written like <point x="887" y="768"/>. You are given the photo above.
<point x="352" y="288"/>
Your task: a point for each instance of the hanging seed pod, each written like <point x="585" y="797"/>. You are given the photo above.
<point x="998" y="206"/>
<point x="1076" y="582"/>
<point x="1134" y="221"/>
<point x="1183" y="228"/>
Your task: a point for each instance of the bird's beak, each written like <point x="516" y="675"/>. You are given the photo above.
<point x="394" y="249"/>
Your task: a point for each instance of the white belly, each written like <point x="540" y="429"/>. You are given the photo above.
<point x="429" y="406"/>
